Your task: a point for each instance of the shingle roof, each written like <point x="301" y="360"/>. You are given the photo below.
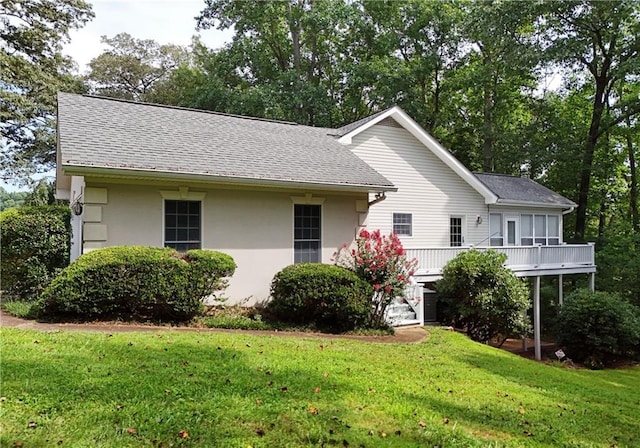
<point x="344" y="130"/>
<point x="108" y="133"/>
<point x="521" y="189"/>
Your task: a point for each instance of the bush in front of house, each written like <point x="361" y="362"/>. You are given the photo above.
<point x="382" y="262"/>
<point x="135" y="282"/>
<point x="35" y="247"/>
<point x="326" y="296"/>
<point x="483" y="297"/>
<point x="593" y="326"/>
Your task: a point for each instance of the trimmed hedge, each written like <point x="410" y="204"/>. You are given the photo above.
<point x="327" y="296"/>
<point x="597" y="325"/>
<point x="35" y="247"/>
<point x="137" y="282"/>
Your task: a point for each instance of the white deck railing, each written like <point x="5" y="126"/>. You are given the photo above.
<point x="523" y="260"/>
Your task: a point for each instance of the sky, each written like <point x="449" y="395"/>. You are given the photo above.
<point x="165" y="21"/>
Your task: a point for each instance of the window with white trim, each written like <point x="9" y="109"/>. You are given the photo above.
<point x="456" y="235"/>
<point x="306" y="233"/>
<point x="182" y="224"/>
<point x="496" y="234"/>
<point x="540" y="229"/>
<point x="403" y="224"/>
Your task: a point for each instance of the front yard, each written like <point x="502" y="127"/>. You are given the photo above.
<point x="212" y="389"/>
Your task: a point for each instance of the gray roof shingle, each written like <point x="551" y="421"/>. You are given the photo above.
<point x="344" y="130"/>
<point x="521" y="189"/>
<point x="108" y="133"/>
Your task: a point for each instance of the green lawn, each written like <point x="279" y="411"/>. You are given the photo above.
<point x="234" y="390"/>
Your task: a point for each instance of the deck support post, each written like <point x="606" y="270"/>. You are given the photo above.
<point x="592" y="281"/>
<point x="560" y="290"/>
<point x="536" y="318"/>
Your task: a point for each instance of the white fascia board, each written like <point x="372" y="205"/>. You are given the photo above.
<point x="432" y="144"/>
<point x="348" y="138"/>
<point x="507" y="202"/>
<point x="138" y="173"/>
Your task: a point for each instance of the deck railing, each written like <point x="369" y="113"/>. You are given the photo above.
<point x="521" y="259"/>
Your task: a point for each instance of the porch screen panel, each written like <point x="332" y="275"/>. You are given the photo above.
<point x="526" y="230"/>
<point x="540" y="229"/>
<point x="306" y="234"/>
<point x="495" y="229"/>
<point x="553" y="221"/>
<point x="182" y="225"/>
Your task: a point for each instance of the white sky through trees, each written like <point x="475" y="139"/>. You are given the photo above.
<point x="165" y="21"/>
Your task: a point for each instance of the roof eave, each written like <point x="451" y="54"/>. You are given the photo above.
<point x="535" y="204"/>
<point x="138" y="173"/>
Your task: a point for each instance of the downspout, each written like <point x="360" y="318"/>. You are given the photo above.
<point x="567" y="211"/>
<point x="379" y="198"/>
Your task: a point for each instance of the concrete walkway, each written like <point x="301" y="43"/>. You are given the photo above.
<point x="405" y="335"/>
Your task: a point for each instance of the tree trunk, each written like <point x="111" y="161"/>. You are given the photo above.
<point x="587" y="157"/>
<point x="487" y="148"/>
<point x="633" y="184"/>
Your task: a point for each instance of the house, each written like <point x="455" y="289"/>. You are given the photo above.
<point x="273" y="193"/>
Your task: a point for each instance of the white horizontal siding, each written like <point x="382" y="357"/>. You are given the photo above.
<point x="427" y="188"/>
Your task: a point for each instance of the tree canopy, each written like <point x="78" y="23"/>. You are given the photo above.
<point x="32" y="70"/>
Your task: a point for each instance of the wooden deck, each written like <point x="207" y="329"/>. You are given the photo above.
<point x="524" y="261"/>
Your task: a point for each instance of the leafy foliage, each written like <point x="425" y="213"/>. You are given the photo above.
<point x="483" y="297"/>
<point x="131" y="68"/>
<point x="33" y="70"/>
<point x="382" y="262"/>
<point x="618" y="260"/>
<point x="598" y="324"/>
<point x="330" y="297"/>
<point x="136" y="282"/>
<point x="35" y="247"/>
<point x="11" y="199"/>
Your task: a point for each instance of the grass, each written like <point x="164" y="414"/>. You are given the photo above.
<point x="19" y="308"/>
<point x="164" y="389"/>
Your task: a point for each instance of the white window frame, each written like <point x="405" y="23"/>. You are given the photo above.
<point x="463" y="229"/>
<point x="183" y="194"/>
<point x="307" y="199"/>
<point x="393" y="224"/>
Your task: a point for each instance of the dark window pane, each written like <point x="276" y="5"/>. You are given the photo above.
<point x="170" y="206"/>
<point x="183" y="221"/>
<point x="194" y="235"/>
<point x="170" y="220"/>
<point x="182" y="235"/>
<point x="194" y="221"/>
<point x="183" y="207"/>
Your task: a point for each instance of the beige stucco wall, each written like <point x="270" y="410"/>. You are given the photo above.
<point x="254" y="227"/>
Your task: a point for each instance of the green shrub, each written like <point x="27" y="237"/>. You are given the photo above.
<point x="35" y="247"/>
<point x="330" y="297"/>
<point x="136" y="282"/>
<point x="482" y="296"/>
<point x="598" y="324"/>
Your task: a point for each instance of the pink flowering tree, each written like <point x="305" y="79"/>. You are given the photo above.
<point x="382" y="262"/>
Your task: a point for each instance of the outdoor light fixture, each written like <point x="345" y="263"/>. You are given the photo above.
<point x="77" y="207"/>
<point x="478" y="219"/>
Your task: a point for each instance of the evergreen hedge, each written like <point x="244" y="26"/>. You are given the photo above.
<point x="135" y="282"/>
<point x="34" y="247"/>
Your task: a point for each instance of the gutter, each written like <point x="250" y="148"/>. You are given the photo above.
<point x="85" y="170"/>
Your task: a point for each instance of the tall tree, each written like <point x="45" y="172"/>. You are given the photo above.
<point x="602" y="38"/>
<point x="131" y="68"/>
<point x="287" y="51"/>
<point x="32" y="70"/>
